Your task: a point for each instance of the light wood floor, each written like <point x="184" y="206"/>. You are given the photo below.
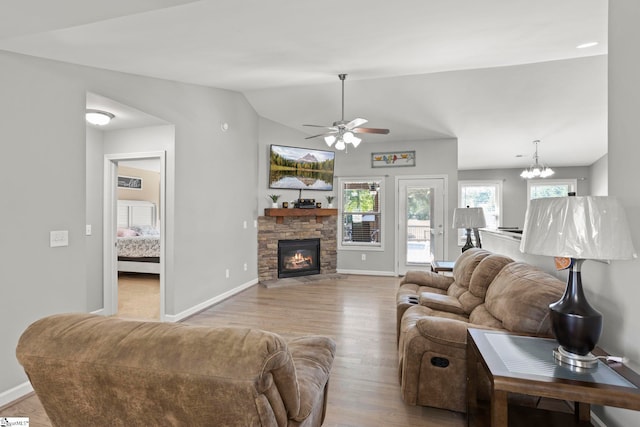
<point x="358" y="312"/>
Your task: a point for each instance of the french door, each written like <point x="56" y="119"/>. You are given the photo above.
<point x="421" y="231"/>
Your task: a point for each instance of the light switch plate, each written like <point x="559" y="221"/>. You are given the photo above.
<point x="59" y="238"/>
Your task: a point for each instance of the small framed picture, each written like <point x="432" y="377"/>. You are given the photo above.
<point x="393" y="159"/>
<point x="130" y="182"/>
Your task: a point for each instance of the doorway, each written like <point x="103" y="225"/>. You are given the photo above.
<point x="421" y="231"/>
<point x="143" y="217"/>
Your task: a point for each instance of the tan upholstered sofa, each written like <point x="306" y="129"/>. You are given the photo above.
<point x="492" y="292"/>
<point x="456" y="293"/>
<point x="92" y="370"/>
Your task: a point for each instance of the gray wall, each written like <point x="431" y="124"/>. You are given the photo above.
<point x="215" y="191"/>
<point x="94" y="248"/>
<point x="434" y="157"/>
<point x="613" y="289"/>
<point x="514" y="188"/>
<point x="599" y="177"/>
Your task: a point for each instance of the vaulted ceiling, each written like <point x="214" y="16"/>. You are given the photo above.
<point x="495" y="74"/>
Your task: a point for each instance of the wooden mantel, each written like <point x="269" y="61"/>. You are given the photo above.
<point x="280" y="213"/>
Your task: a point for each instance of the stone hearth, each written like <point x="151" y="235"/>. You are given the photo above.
<point x="293" y="227"/>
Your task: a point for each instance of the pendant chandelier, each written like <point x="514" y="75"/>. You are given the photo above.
<point x="537" y="169"/>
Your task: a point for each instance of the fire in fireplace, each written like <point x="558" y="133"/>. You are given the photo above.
<point x="299" y="257"/>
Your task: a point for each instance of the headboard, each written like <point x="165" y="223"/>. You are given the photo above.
<point x="136" y="212"/>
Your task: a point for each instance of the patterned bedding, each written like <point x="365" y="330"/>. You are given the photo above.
<point x="139" y="246"/>
<point x="138" y="242"/>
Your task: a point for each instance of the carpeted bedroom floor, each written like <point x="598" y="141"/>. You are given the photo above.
<point x="139" y="296"/>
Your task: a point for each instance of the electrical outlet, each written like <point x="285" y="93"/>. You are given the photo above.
<point x="226" y="273"/>
<point x="364" y="257"/>
<point x="88" y="230"/>
<point x="255" y="223"/>
<point x="244" y="225"/>
<point x="245" y="266"/>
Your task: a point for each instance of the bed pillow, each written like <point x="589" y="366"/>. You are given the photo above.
<point x="126" y="232"/>
<point x="145" y="230"/>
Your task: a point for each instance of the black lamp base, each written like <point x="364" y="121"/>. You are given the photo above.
<point x="469" y="243"/>
<point x="576" y="325"/>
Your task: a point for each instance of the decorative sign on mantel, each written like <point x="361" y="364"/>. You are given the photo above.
<point x="130" y="182"/>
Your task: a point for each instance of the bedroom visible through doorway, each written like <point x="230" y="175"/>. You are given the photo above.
<point x="138" y="238"/>
<point x="134" y="224"/>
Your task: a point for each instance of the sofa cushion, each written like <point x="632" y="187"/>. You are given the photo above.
<point x="480" y="280"/>
<point x="519" y="297"/>
<point x="464" y="268"/>
<point x="481" y="316"/>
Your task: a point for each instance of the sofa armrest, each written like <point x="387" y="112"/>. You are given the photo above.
<point x="441" y="302"/>
<point x="427" y="278"/>
<point x="313" y="357"/>
<point x="445" y="331"/>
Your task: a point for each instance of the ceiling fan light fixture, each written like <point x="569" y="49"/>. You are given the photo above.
<point x="98" y="117"/>
<point x="345" y="130"/>
<point x="330" y="139"/>
<point x="348" y="137"/>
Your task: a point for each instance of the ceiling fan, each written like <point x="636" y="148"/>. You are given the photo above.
<point x="343" y="132"/>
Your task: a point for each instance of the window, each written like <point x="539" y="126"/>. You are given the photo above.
<point x="481" y="194"/>
<point x="361" y="207"/>
<point x="539" y="188"/>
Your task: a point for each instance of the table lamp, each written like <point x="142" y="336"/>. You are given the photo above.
<point x="469" y="218"/>
<point x="578" y="228"/>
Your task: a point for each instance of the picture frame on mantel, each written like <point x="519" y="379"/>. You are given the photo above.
<point x="393" y="159"/>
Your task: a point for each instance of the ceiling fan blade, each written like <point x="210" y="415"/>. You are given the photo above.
<point x="332" y="128"/>
<point x="318" y="126"/>
<point x="370" y="130"/>
<point x="322" y="134"/>
<point x="355" y="123"/>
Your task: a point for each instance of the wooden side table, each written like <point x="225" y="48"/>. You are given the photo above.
<point x="442" y="266"/>
<point x="525" y="365"/>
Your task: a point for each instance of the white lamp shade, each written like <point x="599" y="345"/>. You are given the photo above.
<point x="469" y="218"/>
<point x="577" y="227"/>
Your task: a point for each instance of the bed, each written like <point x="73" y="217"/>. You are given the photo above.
<point x="138" y="238"/>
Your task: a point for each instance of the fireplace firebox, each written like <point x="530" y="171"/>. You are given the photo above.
<point x="300" y="257"/>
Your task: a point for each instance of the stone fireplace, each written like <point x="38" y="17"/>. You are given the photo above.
<point x="273" y="228"/>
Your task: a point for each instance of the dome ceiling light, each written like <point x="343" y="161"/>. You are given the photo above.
<point x="98" y="117"/>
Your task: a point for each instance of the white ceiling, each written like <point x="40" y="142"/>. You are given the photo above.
<point x="496" y="74"/>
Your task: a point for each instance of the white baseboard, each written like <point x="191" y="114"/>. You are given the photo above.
<point x="368" y="272"/>
<point x="597" y="421"/>
<point x="15" y="393"/>
<point x="199" y="307"/>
